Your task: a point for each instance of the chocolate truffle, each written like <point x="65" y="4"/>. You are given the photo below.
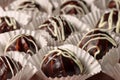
<point x="100" y="76"/>
<point x="58" y="27"/>
<point x="114" y="4"/>
<point x="29" y="5"/>
<point x="22" y="43"/>
<point x="97" y="43"/>
<point x="61" y="63"/>
<point x="110" y="20"/>
<point x="8" y="24"/>
<point x="76" y="8"/>
<point x="8" y="67"/>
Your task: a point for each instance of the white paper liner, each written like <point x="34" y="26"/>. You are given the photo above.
<point x="112" y="57"/>
<point x="81" y="27"/>
<point x="92" y="18"/>
<point x="37" y="20"/>
<point x="113" y="71"/>
<point x="27" y="68"/>
<point x="21" y="18"/>
<point x="91" y="66"/>
<point x="78" y="77"/>
<point x="74" y="39"/>
<point x="4" y="3"/>
<point x="43" y="3"/>
<point x="100" y="5"/>
<point x="5" y="37"/>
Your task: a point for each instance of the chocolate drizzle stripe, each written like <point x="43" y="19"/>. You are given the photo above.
<point x="117" y="2"/>
<point x="81" y="6"/>
<point x="11" y="23"/>
<point x="58" y="24"/>
<point x="71" y="55"/>
<point x="106" y="37"/>
<point x="110" y="21"/>
<point x="97" y="52"/>
<point x="118" y="24"/>
<point x="79" y="9"/>
<point x="31" y="4"/>
<point x="15" y="38"/>
<point x="15" y="65"/>
<point x="9" y="66"/>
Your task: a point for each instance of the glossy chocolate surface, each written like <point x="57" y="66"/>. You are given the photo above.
<point x="97" y="43"/>
<point x="8" y="24"/>
<point x="30" y="5"/>
<point x="23" y="43"/>
<point x="58" y="28"/>
<point x="8" y="68"/>
<point x="114" y="4"/>
<point x="110" y="20"/>
<point x="59" y="63"/>
<point x="74" y="7"/>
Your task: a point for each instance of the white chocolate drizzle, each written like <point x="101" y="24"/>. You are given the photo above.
<point x="11" y="22"/>
<point x="30" y="5"/>
<point x="97" y="36"/>
<point x="12" y="40"/>
<point x="110" y="23"/>
<point x="58" y="27"/>
<point x="7" y="62"/>
<point x="66" y="53"/>
<point x="81" y="9"/>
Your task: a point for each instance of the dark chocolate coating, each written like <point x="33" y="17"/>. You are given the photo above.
<point x="57" y="65"/>
<point x="76" y="7"/>
<point x="61" y="26"/>
<point x="8" y="24"/>
<point x="5" y="70"/>
<point x="106" y="19"/>
<point x="112" y="4"/>
<point x="23" y="43"/>
<point x="93" y="45"/>
<point x="100" y="76"/>
<point x="30" y="5"/>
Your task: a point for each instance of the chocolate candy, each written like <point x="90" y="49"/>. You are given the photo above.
<point x="100" y="76"/>
<point x="77" y="8"/>
<point x="58" y="28"/>
<point x="29" y="5"/>
<point x="110" y="20"/>
<point x="8" y="24"/>
<point x="8" y="67"/>
<point x="114" y="4"/>
<point x="22" y="43"/>
<point x="97" y="43"/>
<point x="61" y="63"/>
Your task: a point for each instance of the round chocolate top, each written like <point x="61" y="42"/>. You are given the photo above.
<point x="61" y="63"/>
<point x="22" y="43"/>
<point x="8" y="67"/>
<point x="29" y="5"/>
<point x="74" y="7"/>
<point x="110" y="20"/>
<point x="8" y="24"/>
<point x="114" y="4"/>
<point x="58" y="28"/>
<point x="97" y="43"/>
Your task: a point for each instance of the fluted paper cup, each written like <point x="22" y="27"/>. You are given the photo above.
<point x="91" y="66"/>
<point x="92" y="18"/>
<point x="100" y="5"/>
<point x="21" y="18"/>
<point x="6" y="37"/>
<point x="78" y="77"/>
<point x="113" y="71"/>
